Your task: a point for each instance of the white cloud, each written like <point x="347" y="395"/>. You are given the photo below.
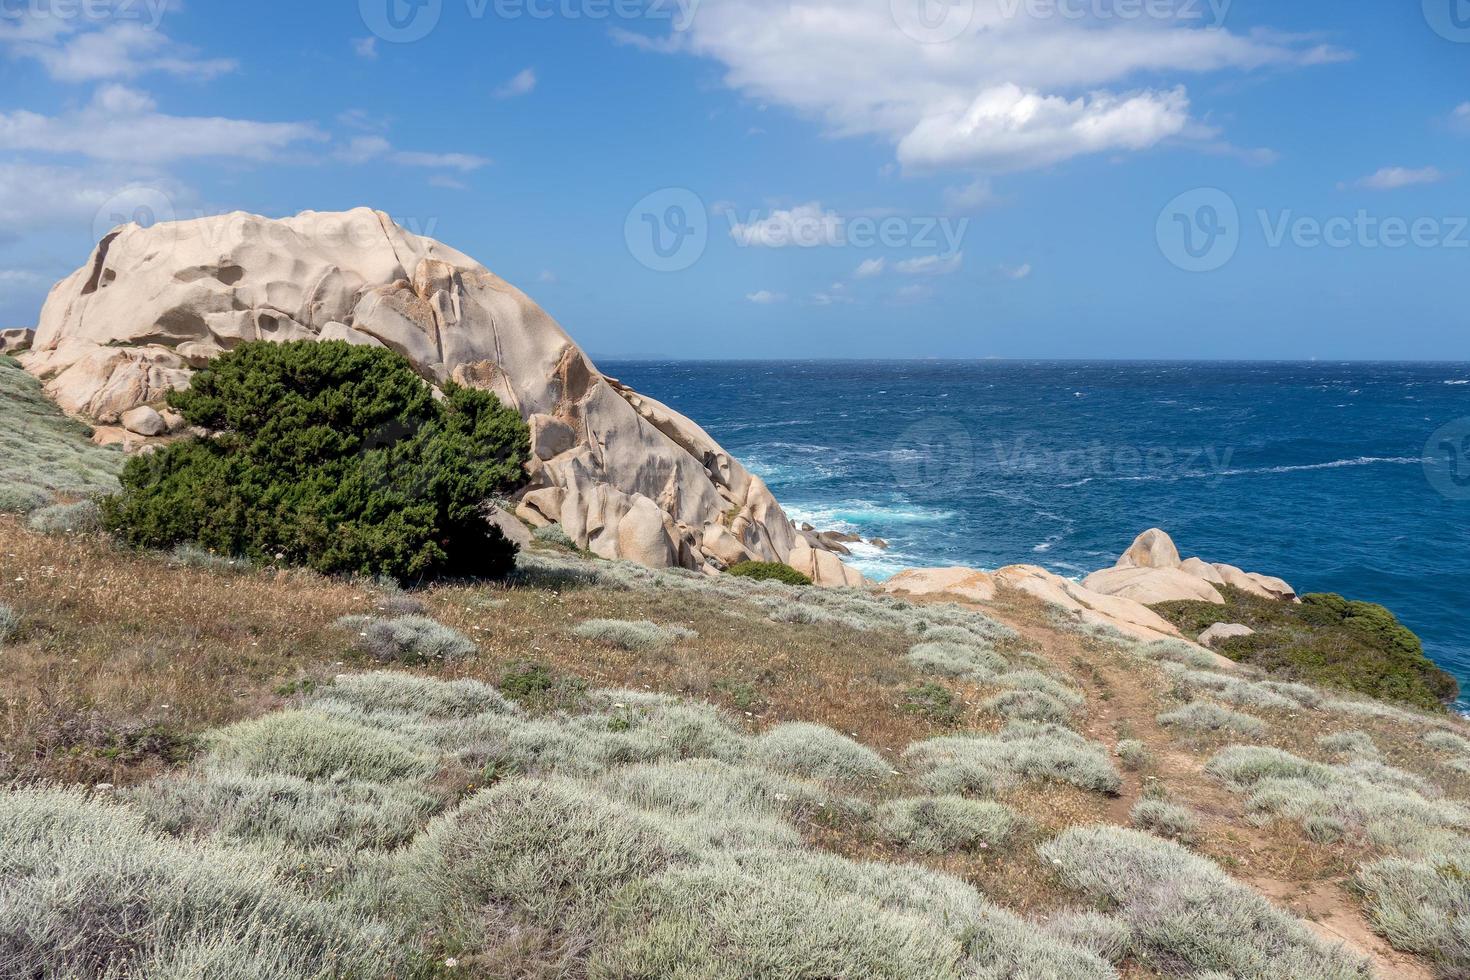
<point x="546" y="276"/>
<point x="447" y="183"/>
<point x="931" y="265"/>
<point x="81" y="50"/>
<point x="973" y="196"/>
<point x="1007" y="128"/>
<point x="916" y="293"/>
<point x="523" y="83"/>
<point x="366" y="47"/>
<point x="805" y="226"/>
<point x="1393" y="178"/>
<point x="1460" y="118"/>
<point x="36" y="195"/>
<point x="765" y="297"/>
<point x="1015" y="273"/>
<point x="362" y="149"/>
<point x="121" y="125"/>
<point x="870" y="268"/>
<point x="1010" y="92"/>
<point x="836" y="293"/>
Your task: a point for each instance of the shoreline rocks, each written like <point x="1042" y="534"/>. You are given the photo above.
<point x="1151" y="572"/>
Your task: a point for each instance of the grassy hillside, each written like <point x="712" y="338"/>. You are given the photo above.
<point x="595" y="770"/>
<point x="42" y="452"/>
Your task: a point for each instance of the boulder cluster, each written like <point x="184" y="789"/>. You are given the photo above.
<point x="626" y="476"/>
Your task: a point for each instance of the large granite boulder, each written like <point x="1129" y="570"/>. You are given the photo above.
<point x="1150" y="572"/>
<point x="964" y="584"/>
<point x="626" y="476"/>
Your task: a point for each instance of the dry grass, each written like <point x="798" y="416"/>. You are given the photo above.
<point x="124" y="660"/>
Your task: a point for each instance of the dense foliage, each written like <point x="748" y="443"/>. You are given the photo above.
<point x="334" y="457"/>
<point x="769" y="571"/>
<point x="1328" y="640"/>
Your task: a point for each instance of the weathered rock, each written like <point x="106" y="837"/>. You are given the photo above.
<point x="1092" y="608"/>
<point x="1213" y="636"/>
<point x="1242" y="580"/>
<point x="1274" y="587"/>
<point x="16" y="339"/>
<point x="720" y="544"/>
<point x="823" y="567"/>
<point x="1200" y="568"/>
<point x="879" y="543"/>
<point x="174" y="421"/>
<point x="144" y="421"/>
<point x="152" y="305"/>
<point x="514" y="531"/>
<point x="965" y="584"/>
<point x="1151" y="549"/>
<point x="1150" y="585"/>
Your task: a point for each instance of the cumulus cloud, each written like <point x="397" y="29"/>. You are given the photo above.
<point x="973" y="196"/>
<point x="40" y="195"/>
<point x="78" y="49"/>
<point x="1008" y="128"/>
<point x="804" y="226"/>
<point x="122" y="124"/>
<point x="764" y="297"/>
<point x="1009" y="92"/>
<point x="870" y="268"/>
<point x="1015" y="273"/>
<point x="1460" y="118"/>
<point x="1393" y="178"/>
<point x="523" y="83"/>
<point x="366" y="47"/>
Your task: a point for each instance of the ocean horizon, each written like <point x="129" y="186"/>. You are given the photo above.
<point x="1335" y="475"/>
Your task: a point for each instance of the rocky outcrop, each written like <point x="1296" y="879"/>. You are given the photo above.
<point x="16" y="339"/>
<point x="1091" y="608"/>
<point x="965" y="584"/>
<point x="1220" y="632"/>
<point x="626" y="476"/>
<point x="1151" y="571"/>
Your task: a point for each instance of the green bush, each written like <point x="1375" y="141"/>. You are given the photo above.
<point x="1326" y="640"/>
<point x="334" y="457"/>
<point x="769" y="571"/>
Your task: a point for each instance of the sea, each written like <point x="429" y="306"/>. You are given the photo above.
<point x="1338" y="477"/>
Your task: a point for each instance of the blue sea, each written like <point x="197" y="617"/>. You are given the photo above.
<point x="1338" y="477"/>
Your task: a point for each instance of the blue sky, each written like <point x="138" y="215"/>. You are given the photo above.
<point x="949" y="178"/>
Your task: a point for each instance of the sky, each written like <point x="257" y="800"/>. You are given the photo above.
<point x="798" y="178"/>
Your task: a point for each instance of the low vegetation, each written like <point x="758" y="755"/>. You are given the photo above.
<point x="333" y="457"/>
<point x="769" y="571"/>
<point x="44" y="454"/>
<point x="1326" y="640"/>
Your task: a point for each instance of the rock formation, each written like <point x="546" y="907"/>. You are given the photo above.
<point x="13" y="340"/>
<point x="626" y="476"/>
<point x="1150" y="572"/>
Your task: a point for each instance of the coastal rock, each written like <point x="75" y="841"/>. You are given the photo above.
<point x="153" y="304"/>
<point x="1200" y="568"/>
<point x="1242" y="580"/>
<point x="16" y="339"/>
<point x="1151" y="549"/>
<point x="823" y="567"/>
<point x="965" y="584"/>
<point x="1091" y="608"/>
<point x="1274" y="587"/>
<point x="144" y="421"/>
<point x="1150" y="585"/>
<point x="1213" y="636"/>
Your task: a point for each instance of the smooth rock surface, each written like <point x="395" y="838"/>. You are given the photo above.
<point x="965" y="584"/>
<point x="1152" y="585"/>
<point x="1151" y="549"/>
<point x="1200" y="568"/>
<point x="1091" y="608"/>
<point x="144" y="421"/>
<point x="152" y="305"/>
<point x="1224" y="631"/>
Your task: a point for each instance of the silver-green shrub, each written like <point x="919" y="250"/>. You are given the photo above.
<point x="943" y="824"/>
<point x="817" y="752"/>
<point x="1166" y="820"/>
<point x="83" y="517"/>
<point x="632" y="635"/>
<point x="1203" y="718"/>
<point x="408" y="639"/>
<point x="984" y="764"/>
